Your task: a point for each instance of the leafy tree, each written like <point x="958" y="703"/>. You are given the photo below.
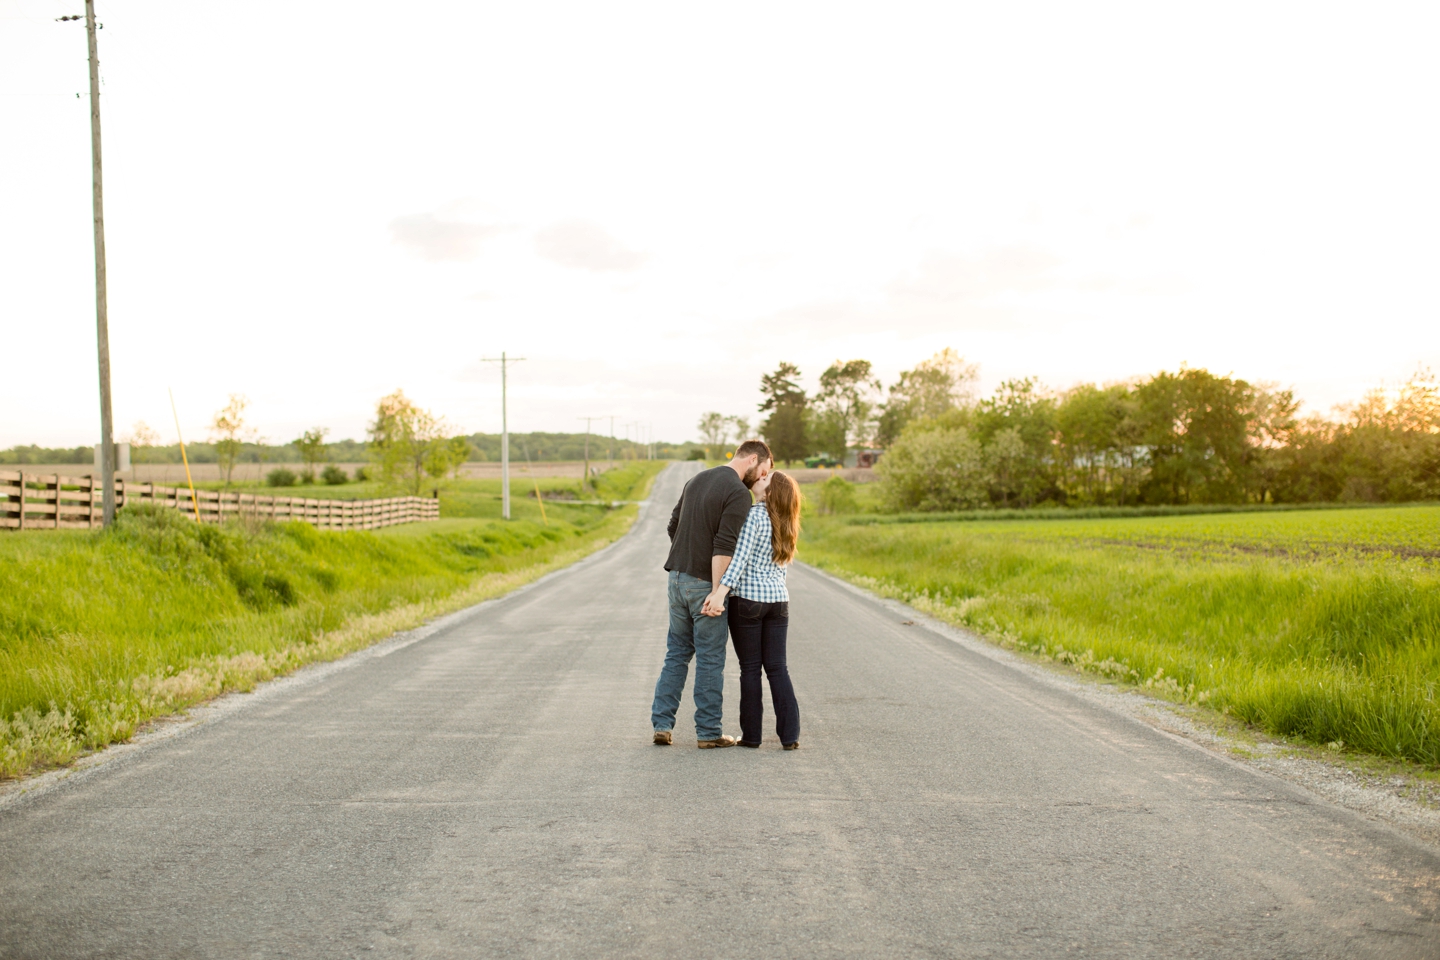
<point x="784" y="431"/>
<point x="933" y="388"/>
<point x="1009" y="464"/>
<point x="229" y="432"/>
<point x="142" y="441"/>
<point x="1026" y="415"/>
<point x="740" y="426"/>
<point x="33" y="454"/>
<point x="406" y="443"/>
<point x="1197" y="427"/>
<point x="311" y="444"/>
<point x="713" y="429"/>
<point x="1384" y="448"/>
<point x="847" y="395"/>
<point x="781" y="386"/>
<point x="784" y="428"/>
<point x="825" y="429"/>
<point x="457" y="453"/>
<point x="1273" y="424"/>
<point x="1183" y="437"/>
<point x="1099" y="452"/>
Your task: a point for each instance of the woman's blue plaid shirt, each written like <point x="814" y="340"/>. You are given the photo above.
<point x="753" y="572"/>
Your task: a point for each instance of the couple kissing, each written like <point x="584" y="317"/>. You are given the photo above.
<point x="732" y="539"/>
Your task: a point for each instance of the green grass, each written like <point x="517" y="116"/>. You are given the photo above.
<point x="481" y="498"/>
<point x="870" y="507"/>
<point x="1318" y="625"/>
<point x="100" y="632"/>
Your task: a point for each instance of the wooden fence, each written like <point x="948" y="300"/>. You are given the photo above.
<point x="52" y="502"/>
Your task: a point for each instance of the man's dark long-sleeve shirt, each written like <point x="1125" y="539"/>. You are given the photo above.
<point x="706" y="521"/>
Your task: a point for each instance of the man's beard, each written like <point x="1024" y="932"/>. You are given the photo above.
<point x="751" y="476"/>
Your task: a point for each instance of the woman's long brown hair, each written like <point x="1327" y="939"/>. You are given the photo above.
<point x="782" y="501"/>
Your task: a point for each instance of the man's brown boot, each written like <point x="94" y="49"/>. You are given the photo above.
<point x="717" y="742"/>
<point x="662" y="738"/>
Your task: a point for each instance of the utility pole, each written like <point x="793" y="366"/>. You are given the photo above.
<point x="588" y="420"/>
<point x="504" y="431"/>
<point x="634" y="442"/>
<point x="610" y="450"/>
<point x="102" y="321"/>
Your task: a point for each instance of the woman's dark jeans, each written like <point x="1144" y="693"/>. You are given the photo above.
<point x="758" y="632"/>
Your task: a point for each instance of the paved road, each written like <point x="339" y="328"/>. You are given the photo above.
<point x="490" y="791"/>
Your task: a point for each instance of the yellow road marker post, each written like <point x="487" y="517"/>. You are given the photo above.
<point x="194" y="502"/>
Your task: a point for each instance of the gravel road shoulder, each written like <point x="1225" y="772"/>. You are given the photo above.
<point x="1391" y="793"/>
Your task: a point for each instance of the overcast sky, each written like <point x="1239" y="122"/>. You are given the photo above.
<point x="314" y="204"/>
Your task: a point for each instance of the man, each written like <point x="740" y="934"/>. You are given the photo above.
<point x="703" y="529"/>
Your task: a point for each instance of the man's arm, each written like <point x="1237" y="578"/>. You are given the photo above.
<point x="675" y="517"/>
<point x="722" y="550"/>
<point x="732" y="521"/>
<point x="718" y="566"/>
<point x="714" y="604"/>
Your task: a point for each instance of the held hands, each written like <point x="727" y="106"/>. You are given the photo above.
<point x="715" y="602"/>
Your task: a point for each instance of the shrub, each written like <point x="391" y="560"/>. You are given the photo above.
<point x="695" y="454"/>
<point x="362" y="474"/>
<point x="937" y="469"/>
<point x="334" y="475"/>
<point x="837" y="495"/>
<point x="281" y="477"/>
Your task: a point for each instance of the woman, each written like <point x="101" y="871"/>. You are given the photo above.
<point x="759" y="611"/>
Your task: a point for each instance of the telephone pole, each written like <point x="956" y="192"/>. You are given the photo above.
<point x="504" y="431"/>
<point x="102" y="320"/>
<point x="588" y="421"/>
<point x="630" y="443"/>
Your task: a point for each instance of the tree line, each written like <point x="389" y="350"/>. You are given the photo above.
<point x="399" y="425"/>
<point x="1188" y="436"/>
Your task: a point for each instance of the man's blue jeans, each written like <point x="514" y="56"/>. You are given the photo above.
<point x="692" y="634"/>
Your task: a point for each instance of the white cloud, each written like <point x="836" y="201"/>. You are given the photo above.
<point x="585" y="246"/>
<point x="949" y="280"/>
<point x="945" y="292"/>
<point x="436" y="239"/>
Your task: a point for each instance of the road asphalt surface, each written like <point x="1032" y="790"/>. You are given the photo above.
<point x="491" y="791"/>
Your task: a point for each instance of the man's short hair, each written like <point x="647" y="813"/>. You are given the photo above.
<point x="753" y="447"/>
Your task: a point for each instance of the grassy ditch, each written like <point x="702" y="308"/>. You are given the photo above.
<point x="100" y="632"/>
<point x="1318" y="625"/>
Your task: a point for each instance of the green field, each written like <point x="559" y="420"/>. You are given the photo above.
<point x="100" y="632"/>
<point x="481" y="498"/>
<point x="1321" y="625"/>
